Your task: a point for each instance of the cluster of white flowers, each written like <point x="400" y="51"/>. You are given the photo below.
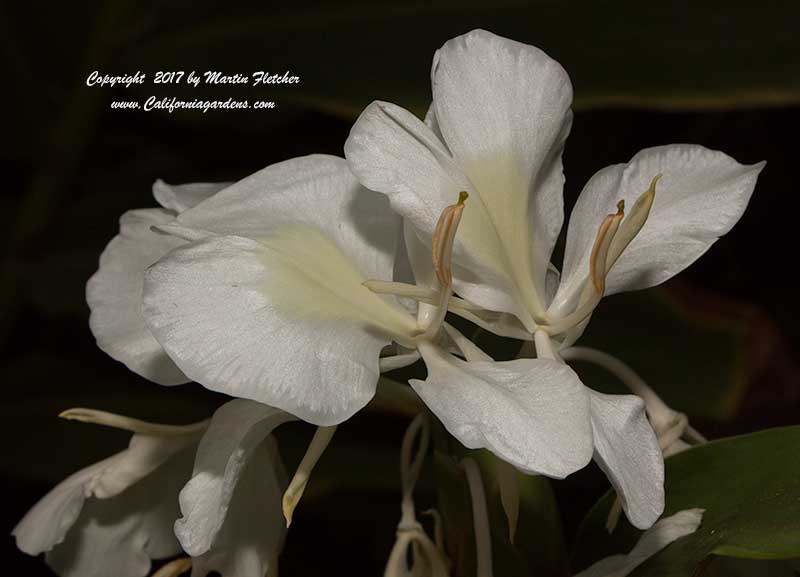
<point x="294" y="288"/>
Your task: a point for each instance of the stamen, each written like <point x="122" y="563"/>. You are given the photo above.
<point x="174" y="568"/>
<point x="130" y="424"/>
<point x="605" y="235"/>
<point x="443" y="237"/>
<point x="597" y="273"/>
<point x="298" y="484"/>
<point x="633" y="224"/>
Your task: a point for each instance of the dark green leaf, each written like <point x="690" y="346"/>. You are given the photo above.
<point x="748" y="485"/>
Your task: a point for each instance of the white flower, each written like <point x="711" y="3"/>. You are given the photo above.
<point x="496" y="129"/>
<point x="114" y="293"/>
<point x="269" y="303"/>
<point x="112" y="518"/>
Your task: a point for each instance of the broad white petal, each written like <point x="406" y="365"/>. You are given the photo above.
<point x="179" y="197"/>
<point x="285" y="321"/>
<point x="318" y="191"/>
<point x="393" y="152"/>
<point x="503" y="109"/>
<point x="237" y="430"/>
<point x="702" y="193"/>
<point x="532" y="413"/>
<point x="114" y="296"/>
<point x="118" y="537"/>
<point x="626" y="449"/>
<point x="651" y="542"/>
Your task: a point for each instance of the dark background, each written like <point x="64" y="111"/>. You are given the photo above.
<point x="723" y="75"/>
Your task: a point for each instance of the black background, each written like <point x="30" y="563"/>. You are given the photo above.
<point x="71" y="166"/>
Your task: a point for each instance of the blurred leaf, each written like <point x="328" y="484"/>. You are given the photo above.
<point x="617" y="53"/>
<point x="748" y="485"/>
<point x="538" y="547"/>
<point x="697" y="350"/>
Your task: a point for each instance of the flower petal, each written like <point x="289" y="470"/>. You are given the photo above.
<point x="238" y="428"/>
<point x="318" y="191"/>
<point x="503" y="109"/>
<point x="699" y="198"/>
<point x="114" y="296"/>
<point x="118" y="537"/>
<point x="532" y="413"/>
<point x="651" y="542"/>
<point x="626" y="449"/>
<point x="113" y="517"/>
<point x="179" y="197"/>
<point x="393" y="152"/>
<point x="250" y="540"/>
<point x="285" y="321"/>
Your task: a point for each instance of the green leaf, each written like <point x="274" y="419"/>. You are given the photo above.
<point x="538" y="547"/>
<point x="748" y="485"/>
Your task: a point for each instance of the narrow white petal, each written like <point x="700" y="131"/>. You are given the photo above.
<point x="503" y="109"/>
<point x="179" y="197"/>
<point x="651" y="542"/>
<point x="118" y="537"/>
<point x="114" y="296"/>
<point x="285" y="321"/>
<point x="532" y="413"/>
<point x="627" y="450"/>
<point x="702" y="193"/>
<point x="238" y="428"/>
<point x="113" y="517"/>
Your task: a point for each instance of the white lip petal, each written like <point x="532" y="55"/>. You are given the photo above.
<point x="627" y="450"/>
<point x="285" y="322"/>
<point x="532" y="413"/>
<point x="114" y="296"/>
<point x="702" y="193"/>
<point x="651" y="542"/>
<point x="222" y="480"/>
<point x="179" y="197"/>
<point x="503" y="109"/>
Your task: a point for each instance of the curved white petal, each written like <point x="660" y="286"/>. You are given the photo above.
<point x="250" y="540"/>
<point x="626" y="449"/>
<point x="46" y="524"/>
<point x="532" y="413"/>
<point x="702" y="193"/>
<point x="285" y="321"/>
<point x="114" y="296"/>
<point x="179" y="197"/>
<point x="651" y="542"/>
<point x="318" y="191"/>
<point x="503" y="109"/>
<point x="113" y="517"/>
<point x="227" y="449"/>
<point x="393" y="152"/>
